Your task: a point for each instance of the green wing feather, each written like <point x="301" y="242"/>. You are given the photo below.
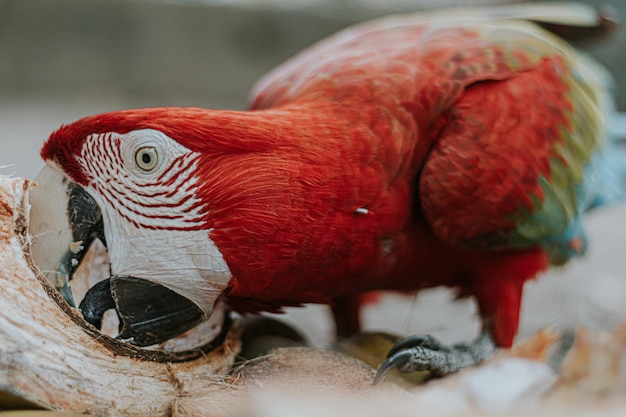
<point x="473" y="196"/>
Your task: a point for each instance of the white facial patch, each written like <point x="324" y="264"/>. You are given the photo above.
<point x="155" y="225"/>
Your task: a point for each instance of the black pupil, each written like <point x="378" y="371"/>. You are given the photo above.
<point x="146" y="158"/>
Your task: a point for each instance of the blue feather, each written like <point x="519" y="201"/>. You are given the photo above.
<point x="605" y="179"/>
<point x="604" y="182"/>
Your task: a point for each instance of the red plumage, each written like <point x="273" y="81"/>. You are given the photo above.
<point x="395" y="155"/>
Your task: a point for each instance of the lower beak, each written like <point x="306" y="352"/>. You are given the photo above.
<point x="149" y="313"/>
<point x="65" y="220"/>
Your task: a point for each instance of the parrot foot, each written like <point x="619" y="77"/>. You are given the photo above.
<point x="426" y="353"/>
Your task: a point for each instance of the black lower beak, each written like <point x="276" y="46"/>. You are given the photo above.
<point x="149" y="313"/>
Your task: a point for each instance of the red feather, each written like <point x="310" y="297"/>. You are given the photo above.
<point x="316" y="196"/>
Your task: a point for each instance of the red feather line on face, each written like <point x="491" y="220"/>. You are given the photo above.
<point x="216" y="136"/>
<point x="171" y="205"/>
<point x="209" y="132"/>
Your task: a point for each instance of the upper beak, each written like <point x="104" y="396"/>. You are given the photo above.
<point x="64" y="221"/>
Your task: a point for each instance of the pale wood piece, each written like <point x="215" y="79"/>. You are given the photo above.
<point x="51" y="358"/>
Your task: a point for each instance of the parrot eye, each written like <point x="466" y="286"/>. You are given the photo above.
<point x="146" y="158"/>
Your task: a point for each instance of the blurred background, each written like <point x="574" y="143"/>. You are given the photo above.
<point x="64" y="59"/>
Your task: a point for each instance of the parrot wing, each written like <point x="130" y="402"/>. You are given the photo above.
<point x="515" y="113"/>
<point x="513" y="164"/>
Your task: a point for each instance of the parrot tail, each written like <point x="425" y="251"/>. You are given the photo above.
<point x="608" y="175"/>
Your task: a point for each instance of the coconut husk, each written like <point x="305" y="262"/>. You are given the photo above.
<point x="51" y="358"/>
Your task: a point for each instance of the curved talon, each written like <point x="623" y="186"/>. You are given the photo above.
<point x="426" y="353"/>
<point x="395" y="360"/>
<point x="425" y="341"/>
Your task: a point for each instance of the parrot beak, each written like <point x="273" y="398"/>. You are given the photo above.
<point x="149" y="312"/>
<point x="64" y="221"/>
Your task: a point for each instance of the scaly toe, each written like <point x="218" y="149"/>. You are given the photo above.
<point x="425" y="341"/>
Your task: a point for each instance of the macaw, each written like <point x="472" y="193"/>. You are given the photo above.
<point x="404" y="153"/>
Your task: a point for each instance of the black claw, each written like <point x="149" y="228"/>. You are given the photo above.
<point x="395" y="360"/>
<point x="425" y="341"/>
<point x="151" y="313"/>
<point x="97" y="300"/>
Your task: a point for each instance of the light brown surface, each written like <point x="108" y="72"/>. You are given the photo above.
<point x="49" y="357"/>
<point x="308" y="382"/>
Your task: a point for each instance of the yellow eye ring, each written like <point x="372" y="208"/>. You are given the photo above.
<point x="147" y="158"/>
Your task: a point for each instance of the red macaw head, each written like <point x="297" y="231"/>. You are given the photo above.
<point x="130" y="178"/>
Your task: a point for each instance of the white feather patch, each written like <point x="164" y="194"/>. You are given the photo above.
<point x="154" y="222"/>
